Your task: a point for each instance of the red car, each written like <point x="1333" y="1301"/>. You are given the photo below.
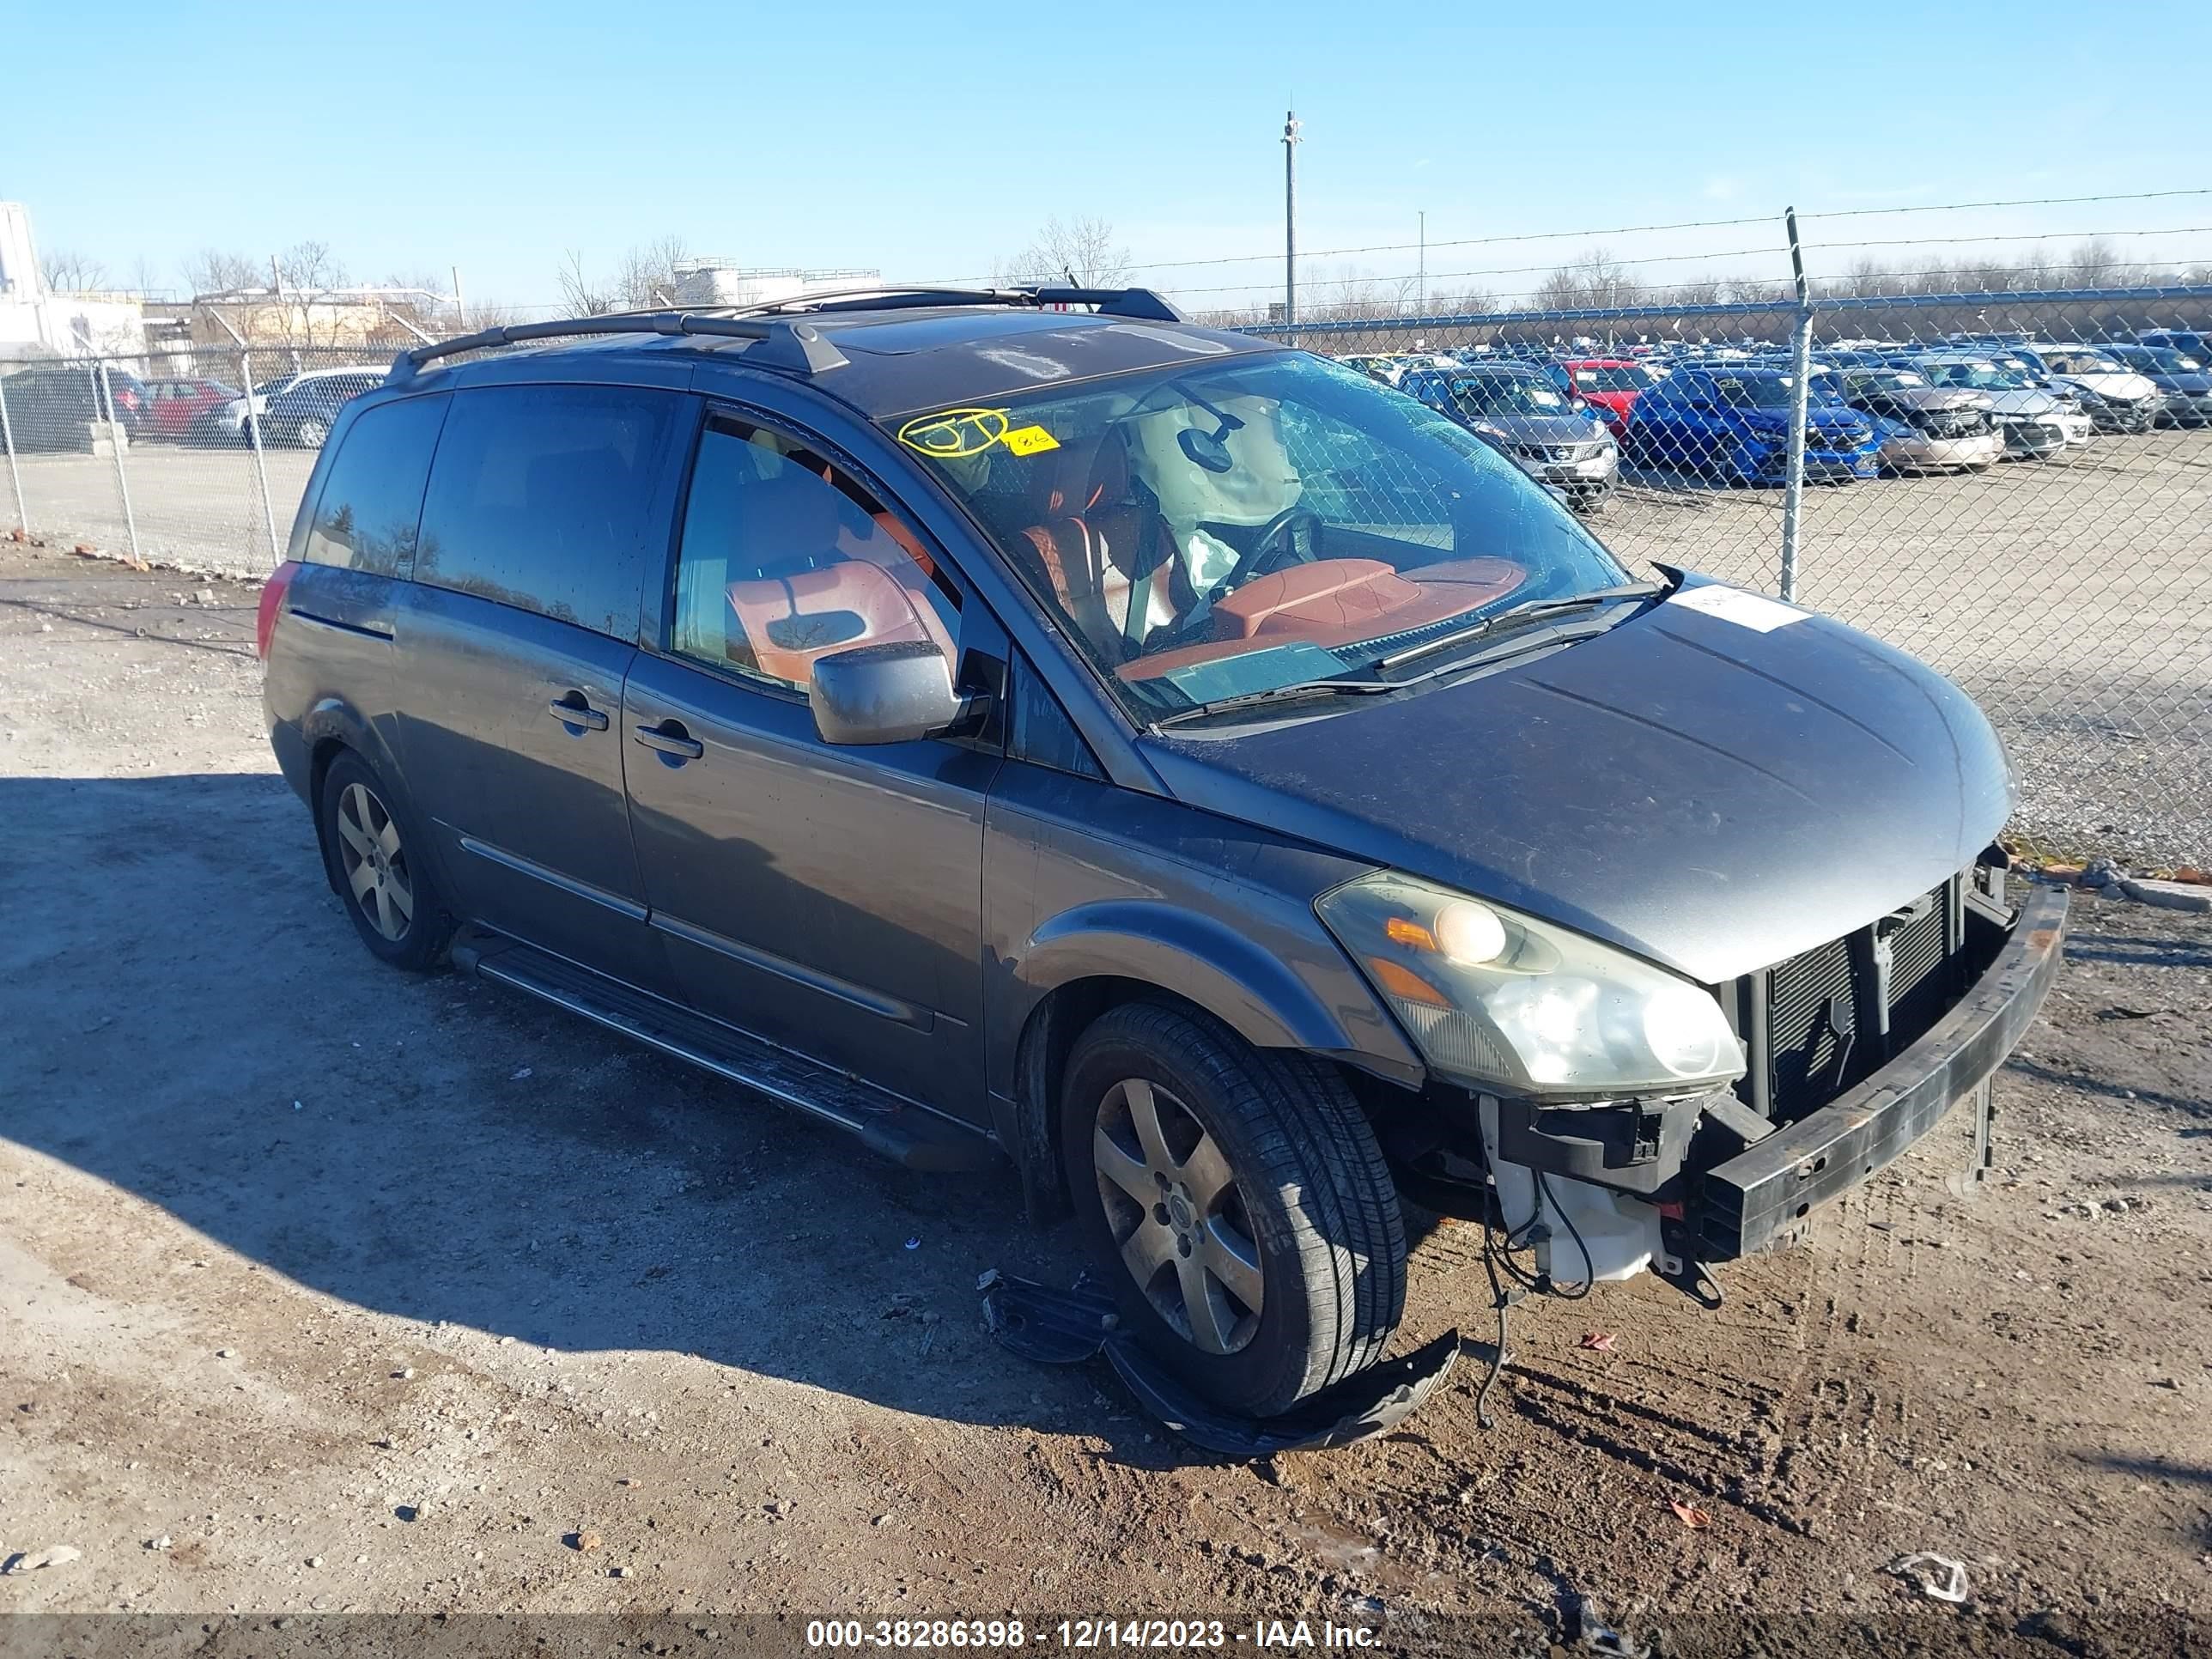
<point x="1610" y="384"/>
<point x="174" y="406"/>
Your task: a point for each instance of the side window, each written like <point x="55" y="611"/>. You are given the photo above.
<point x="785" y="559"/>
<point x="365" y="518"/>
<point x="544" y="497"/>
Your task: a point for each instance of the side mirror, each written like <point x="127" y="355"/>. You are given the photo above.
<point x="896" y="692"/>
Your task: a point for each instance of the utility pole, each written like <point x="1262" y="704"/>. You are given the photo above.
<point x="1290" y="218"/>
<point x="460" y="304"/>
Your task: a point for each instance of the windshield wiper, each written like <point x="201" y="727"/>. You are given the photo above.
<point x="1273" y="694"/>
<point x="1518" y="613"/>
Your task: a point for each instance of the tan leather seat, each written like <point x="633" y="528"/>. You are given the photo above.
<point x="1089" y="539"/>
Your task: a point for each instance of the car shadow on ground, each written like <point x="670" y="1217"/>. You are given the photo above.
<point x="196" y="1023"/>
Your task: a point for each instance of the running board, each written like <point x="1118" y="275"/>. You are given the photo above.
<point x="901" y="1131"/>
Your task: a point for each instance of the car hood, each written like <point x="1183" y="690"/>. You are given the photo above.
<point x="1543" y="428"/>
<point x="2129" y="386"/>
<point x="2027" y="400"/>
<point x="1712" y="793"/>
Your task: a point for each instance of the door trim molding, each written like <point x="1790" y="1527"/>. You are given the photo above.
<point x="874" y="1002"/>
<point x="583" y="889"/>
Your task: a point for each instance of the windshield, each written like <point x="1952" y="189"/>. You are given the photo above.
<point x="2163" y="359"/>
<point x="1753" y="391"/>
<point x="1612" y="377"/>
<point x="1501" y="394"/>
<point x="1982" y="377"/>
<point x="1206" y="530"/>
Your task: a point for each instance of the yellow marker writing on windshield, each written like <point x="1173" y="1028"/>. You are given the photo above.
<point x="955" y="433"/>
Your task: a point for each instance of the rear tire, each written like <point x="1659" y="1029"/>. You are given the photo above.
<point x="1270" y="1261"/>
<point x="311" y="433"/>
<point x="385" y="886"/>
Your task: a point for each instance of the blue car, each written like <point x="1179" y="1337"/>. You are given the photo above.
<point x="1731" y="425"/>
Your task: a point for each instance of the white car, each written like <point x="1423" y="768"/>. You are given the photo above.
<point x="2115" y="397"/>
<point x="2036" y="424"/>
<point x="229" y="421"/>
<point x="1392" y="367"/>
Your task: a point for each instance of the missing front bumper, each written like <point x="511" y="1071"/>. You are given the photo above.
<point x="1762" y="1198"/>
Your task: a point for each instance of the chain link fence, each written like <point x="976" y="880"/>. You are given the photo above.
<point x="163" y="458"/>
<point x="2014" y="485"/>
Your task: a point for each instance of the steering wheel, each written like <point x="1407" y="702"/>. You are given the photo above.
<point x="1266" y="554"/>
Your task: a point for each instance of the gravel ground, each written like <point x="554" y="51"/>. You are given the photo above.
<point x="2073" y="598"/>
<point x="325" y="1289"/>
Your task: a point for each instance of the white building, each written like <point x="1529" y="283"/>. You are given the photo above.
<point x="707" y="281"/>
<point x="36" y="323"/>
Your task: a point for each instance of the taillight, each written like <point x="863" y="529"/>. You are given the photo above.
<point x="272" y="602"/>
<point x="127" y="397"/>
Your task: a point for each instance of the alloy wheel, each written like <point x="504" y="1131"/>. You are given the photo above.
<point x="311" y="433"/>
<point x="375" y="862"/>
<point x="1178" y="1220"/>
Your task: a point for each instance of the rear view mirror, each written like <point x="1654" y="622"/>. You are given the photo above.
<point x="896" y="692"/>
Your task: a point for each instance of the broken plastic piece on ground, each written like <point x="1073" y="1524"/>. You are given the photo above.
<point x="1938" y="1576"/>
<point x="1691" y="1515"/>
<point x="1598" y="1341"/>
<point x="1066" y="1328"/>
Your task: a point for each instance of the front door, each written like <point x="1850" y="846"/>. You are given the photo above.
<point x="546" y="505"/>
<point x="828" y="898"/>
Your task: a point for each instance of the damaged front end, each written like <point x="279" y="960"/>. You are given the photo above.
<point x="1848" y="1053"/>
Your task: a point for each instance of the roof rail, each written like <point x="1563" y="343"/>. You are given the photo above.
<point x="1110" y="301"/>
<point x="797" y="347"/>
<point x="788" y="344"/>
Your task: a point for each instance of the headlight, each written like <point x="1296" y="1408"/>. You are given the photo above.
<point x="1504" y="1001"/>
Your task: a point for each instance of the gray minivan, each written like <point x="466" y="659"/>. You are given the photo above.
<point x="1023" y="728"/>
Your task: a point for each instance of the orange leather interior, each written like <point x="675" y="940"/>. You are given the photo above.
<point x="789" y="621"/>
<point x="1333" y="602"/>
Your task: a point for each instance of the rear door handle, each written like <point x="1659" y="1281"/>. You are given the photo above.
<point x="670" y="739"/>
<point x="573" y="710"/>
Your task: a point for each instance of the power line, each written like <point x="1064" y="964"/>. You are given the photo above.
<point x="1684" y="224"/>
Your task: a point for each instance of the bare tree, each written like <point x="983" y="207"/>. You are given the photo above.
<point x="67" y="272"/>
<point x="1595" y="279"/>
<point x="644" y="278"/>
<point x="1079" y="251"/>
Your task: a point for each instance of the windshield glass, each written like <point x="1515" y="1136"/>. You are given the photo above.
<point x="1753" y="391"/>
<point x="1982" y="377"/>
<point x="1501" y="394"/>
<point x="1206" y="530"/>
<point x="2163" y="359"/>
<point x="1610" y="378"/>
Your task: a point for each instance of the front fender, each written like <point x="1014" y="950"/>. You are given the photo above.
<point x="1206" y="962"/>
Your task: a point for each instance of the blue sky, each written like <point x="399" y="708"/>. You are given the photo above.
<point x="927" y="142"/>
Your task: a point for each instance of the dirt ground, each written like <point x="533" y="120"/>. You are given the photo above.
<point x="325" y="1288"/>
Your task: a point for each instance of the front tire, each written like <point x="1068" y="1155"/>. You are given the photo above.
<point x="1237" y="1201"/>
<point x="388" y="891"/>
<point x="311" y="433"/>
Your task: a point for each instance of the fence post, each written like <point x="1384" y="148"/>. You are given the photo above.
<point x="1290" y="223"/>
<point x="15" y="472"/>
<point x="118" y="440"/>
<point x="1800" y="373"/>
<point x="261" y="463"/>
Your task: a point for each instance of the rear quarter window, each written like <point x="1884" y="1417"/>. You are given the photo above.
<point x="546" y="497"/>
<point x="372" y="499"/>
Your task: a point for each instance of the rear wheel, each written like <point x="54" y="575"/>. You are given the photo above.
<point x="311" y="432"/>
<point x="1237" y="1203"/>
<point x="389" y="893"/>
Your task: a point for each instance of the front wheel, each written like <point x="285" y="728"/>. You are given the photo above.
<point x="1237" y="1201"/>
<point x="311" y="432"/>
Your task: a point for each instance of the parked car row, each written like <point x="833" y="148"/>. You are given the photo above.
<point x="57" y="406"/>
<point x="1721" y="415"/>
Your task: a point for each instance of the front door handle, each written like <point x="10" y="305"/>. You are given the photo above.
<point x="573" y="710"/>
<point x="671" y="741"/>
